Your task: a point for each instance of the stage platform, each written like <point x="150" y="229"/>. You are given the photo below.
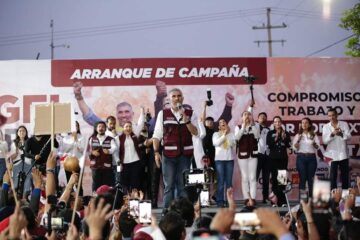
<point x="212" y="210"/>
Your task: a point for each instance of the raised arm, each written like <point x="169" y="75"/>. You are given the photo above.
<point x="50" y="177"/>
<point x="86" y="111"/>
<point x="226" y="114"/>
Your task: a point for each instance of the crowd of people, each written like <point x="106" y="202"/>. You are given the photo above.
<point x="41" y="198"/>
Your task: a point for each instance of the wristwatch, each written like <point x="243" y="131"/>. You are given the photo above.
<point x="50" y="170"/>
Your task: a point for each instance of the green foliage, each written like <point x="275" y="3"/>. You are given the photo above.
<point x="351" y="22"/>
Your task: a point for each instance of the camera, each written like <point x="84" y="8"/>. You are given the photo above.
<point x="197" y="176"/>
<point x="250" y="79"/>
<point x="246" y="221"/>
<point x="209" y="102"/>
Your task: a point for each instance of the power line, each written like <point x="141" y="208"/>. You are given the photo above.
<point x="122" y="28"/>
<point x="107" y="32"/>
<point x="331" y="45"/>
<point x="141" y="23"/>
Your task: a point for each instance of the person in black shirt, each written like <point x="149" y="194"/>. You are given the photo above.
<point x="38" y="148"/>
<point x="278" y="141"/>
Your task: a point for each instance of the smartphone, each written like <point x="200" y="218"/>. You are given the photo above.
<point x="134" y="208"/>
<point x="304" y="195"/>
<point x="344" y="193"/>
<point x="282" y="177"/>
<point x="145" y="211"/>
<point x="205" y="235"/>
<point x="245" y="221"/>
<point x="321" y="194"/>
<point x="196" y="178"/>
<point x="57" y="223"/>
<point x="357" y="201"/>
<point x="204" y="198"/>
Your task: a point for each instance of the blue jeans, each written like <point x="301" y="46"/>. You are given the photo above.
<point x="224" y="173"/>
<point x="173" y="169"/>
<point x="2" y="168"/>
<point x="306" y="166"/>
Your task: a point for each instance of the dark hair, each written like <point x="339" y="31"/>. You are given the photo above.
<point x="172" y="226"/>
<point x="209" y="119"/>
<point x="185" y="208"/>
<point x="302" y="218"/>
<point x="262" y="113"/>
<point x="66" y="214"/>
<point x="96" y="125"/>
<point x="126" y="224"/>
<point x="278" y="118"/>
<point x="332" y="110"/>
<point x="17" y="138"/>
<point x="223" y="120"/>
<point x="310" y="129"/>
<point x="30" y="217"/>
<point x="129" y="122"/>
<point x="106" y="229"/>
<point x="187" y="106"/>
<point x="322" y="223"/>
<point x="202" y="222"/>
<point x="110" y="118"/>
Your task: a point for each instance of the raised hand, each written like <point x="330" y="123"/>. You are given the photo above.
<point x="96" y="218"/>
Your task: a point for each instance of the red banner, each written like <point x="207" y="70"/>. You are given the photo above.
<point x="173" y="71"/>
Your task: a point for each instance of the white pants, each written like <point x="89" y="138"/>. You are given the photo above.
<point x="248" y="177"/>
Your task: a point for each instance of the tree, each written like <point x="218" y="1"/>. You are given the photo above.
<point x="351" y="22"/>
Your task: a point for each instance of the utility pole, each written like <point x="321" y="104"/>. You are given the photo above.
<point x="268" y="27"/>
<point x="52" y="46"/>
<point x="52" y="39"/>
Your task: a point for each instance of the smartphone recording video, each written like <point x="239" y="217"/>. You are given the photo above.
<point x="345" y="193"/>
<point x="357" y="201"/>
<point x="204" y="198"/>
<point x="134" y="208"/>
<point x="321" y="195"/>
<point x="57" y="223"/>
<point x="282" y="177"/>
<point x="245" y="221"/>
<point x="145" y="211"/>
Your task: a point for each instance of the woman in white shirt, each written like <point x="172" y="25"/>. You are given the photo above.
<point x="3" y="153"/>
<point x="71" y="145"/>
<point x="247" y="150"/>
<point x="131" y="164"/>
<point x="224" y="142"/>
<point x="16" y="151"/>
<point x="306" y="143"/>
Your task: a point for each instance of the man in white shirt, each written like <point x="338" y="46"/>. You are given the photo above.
<point x="175" y="126"/>
<point x="111" y="132"/>
<point x="334" y="135"/>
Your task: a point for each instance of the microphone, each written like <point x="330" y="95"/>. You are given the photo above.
<point x="179" y="105"/>
<point x="208" y="92"/>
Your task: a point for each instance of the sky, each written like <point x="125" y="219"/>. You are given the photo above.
<point x="95" y="29"/>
